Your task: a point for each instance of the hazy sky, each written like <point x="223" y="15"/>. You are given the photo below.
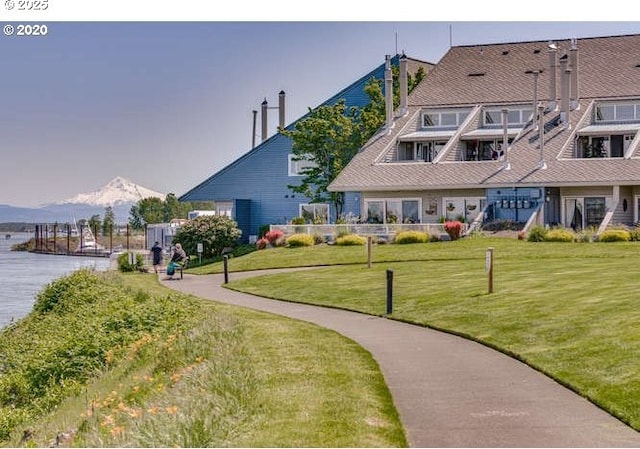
<point x="167" y="104"/>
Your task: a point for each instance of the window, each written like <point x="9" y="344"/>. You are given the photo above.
<point x="448" y="118"/>
<point x="392" y="211"/>
<point x="419" y="151"/>
<point x="602" y="146"/>
<point x="623" y="112"/>
<point x="583" y="213"/>
<point x="224" y="208"/>
<point x="315" y="213"/>
<point x="484" y="150"/>
<point x="296" y="168"/>
<point x="518" y="116"/>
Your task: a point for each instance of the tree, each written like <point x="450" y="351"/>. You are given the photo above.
<point x="95" y="223"/>
<point x="173" y="208"/>
<point x="215" y="232"/>
<point x="330" y="136"/>
<point x="108" y="221"/>
<point x="146" y="211"/>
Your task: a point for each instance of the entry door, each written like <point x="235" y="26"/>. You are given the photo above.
<point x="580" y="213"/>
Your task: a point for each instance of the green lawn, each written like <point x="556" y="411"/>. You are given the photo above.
<point x="570" y="310"/>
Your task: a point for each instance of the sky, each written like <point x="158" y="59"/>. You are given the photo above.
<point x="164" y="96"/>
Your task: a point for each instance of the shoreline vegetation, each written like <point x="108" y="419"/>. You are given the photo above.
<point x="136" y="364"/>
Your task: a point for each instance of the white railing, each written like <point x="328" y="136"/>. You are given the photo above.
<point x="378" y="230"/>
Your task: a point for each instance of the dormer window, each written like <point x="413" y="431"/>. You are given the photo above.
<point x="451" y="118"/>
<point x="617" y="112"/>
<point x="518" y="116"/>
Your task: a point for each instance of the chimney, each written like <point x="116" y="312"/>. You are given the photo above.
<point x="541" y="164"/>
<point x="553" y="63"/>
<point x="253" y="135"/>
<point x="388" y="91"/>
<point x="565" y="73"/>
<point x="263" y="114"/>
<point x="404" y="85"/>
<point x="281" y="108"/>
<point x="573" y="64"/>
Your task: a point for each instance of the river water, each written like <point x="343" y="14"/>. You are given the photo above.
<point x="23" y="275"/>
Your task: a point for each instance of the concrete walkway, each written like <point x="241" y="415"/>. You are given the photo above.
<point x="450" y="392"/>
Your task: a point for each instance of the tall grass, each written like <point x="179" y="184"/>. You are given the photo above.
<point x="165" y="369"/>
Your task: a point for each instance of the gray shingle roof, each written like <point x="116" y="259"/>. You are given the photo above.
<point x="608" y="68"/>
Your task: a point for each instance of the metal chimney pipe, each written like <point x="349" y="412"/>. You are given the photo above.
<point x="388" y="91"/>
<point x="553" y="63"/>
<point x="281" y="108"/>
<point x="565" y="72"/>
<point x="404" y="84"/>
<point x="536" y="73"/>
<point x="573" y="64"/>
<point x="505" y="138"/>
<point x="253" y="135"/>
<point x="542" y="164"/>
<point x="263" y="114"/>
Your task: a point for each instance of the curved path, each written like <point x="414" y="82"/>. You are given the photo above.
<point x="449" y="392"/>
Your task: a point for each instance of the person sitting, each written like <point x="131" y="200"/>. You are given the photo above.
<point x="178" y="258"/>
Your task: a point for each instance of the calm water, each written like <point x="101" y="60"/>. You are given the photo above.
<point x="23" y="275"/>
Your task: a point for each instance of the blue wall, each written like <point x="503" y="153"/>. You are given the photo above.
<point x="517" y="204"/>
<point x="260" y="177"/>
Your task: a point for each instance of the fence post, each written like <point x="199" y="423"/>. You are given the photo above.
<point x="389" y="292"/>
<point x="369" y="252"/>
<point x="226" y="268"/>
<point x="489" y="268"/>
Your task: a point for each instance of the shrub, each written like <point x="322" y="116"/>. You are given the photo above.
<point x="215" y="232"/>
<point x="275" y="237"/>
<point x="263" y="230"/>
<point x="262" y="243"/>
<point x="125" y="265"/>
<point x="405" y="237"/>
<point x="615" y="235"/>
<point x="634" y="234"/>
<point x="559" y="235"/>
<point x="453" y="228"/>
<point x="350" y="240"/>
<point x="300" y="240"/>
<point x="537" y="234"/>
<point x="298" y="221"/>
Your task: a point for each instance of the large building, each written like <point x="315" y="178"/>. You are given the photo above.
<point x="539" y="132"/>
<point x="253" y="190"/>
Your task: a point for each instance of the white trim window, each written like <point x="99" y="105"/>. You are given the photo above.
<point x="393" y="210"/>
<point x="617" y="112"/>
<point x="420" y="151"/>
<point x="315" y="213"/>
<point x="605" y="146"/>
<point x="451" y="118"/>
<point x="296" y="168"/>
<point x="518" y="116"/>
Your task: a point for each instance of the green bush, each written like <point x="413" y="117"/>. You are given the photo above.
<point x="537" y="234"/>
<point x="559" y="235"/>
<point x="296" y="240"/>
<point x="298" y="221"/>
<point x="125" y="265"/>
<point x="634" y="234"/>
<point x="350" y="240"/>
<point x="405" y="237"/>
<point x="615" y="235"/>
<point x="215" y="232"/>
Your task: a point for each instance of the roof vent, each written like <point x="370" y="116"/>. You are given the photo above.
<point x="506" y="52"/>
<point x="477" y="74"/>
<point x="637" y="66"/>
<point x="536" y="51"/>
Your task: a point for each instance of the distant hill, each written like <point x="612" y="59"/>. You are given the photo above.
<point x="119" y="193"/>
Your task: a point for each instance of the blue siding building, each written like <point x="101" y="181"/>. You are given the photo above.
<point x="253" y="189"/>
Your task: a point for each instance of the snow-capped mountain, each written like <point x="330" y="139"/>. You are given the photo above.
<point x="118" y="191"/>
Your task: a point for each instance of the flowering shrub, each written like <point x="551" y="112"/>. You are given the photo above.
<point x="262" y="243"/>
<point x="559" y="235"/>
<point x="300" y="240"/>
<point x="453" y="228"/>
<point x="275" y="237"/>
<point x="215" y="232"/>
